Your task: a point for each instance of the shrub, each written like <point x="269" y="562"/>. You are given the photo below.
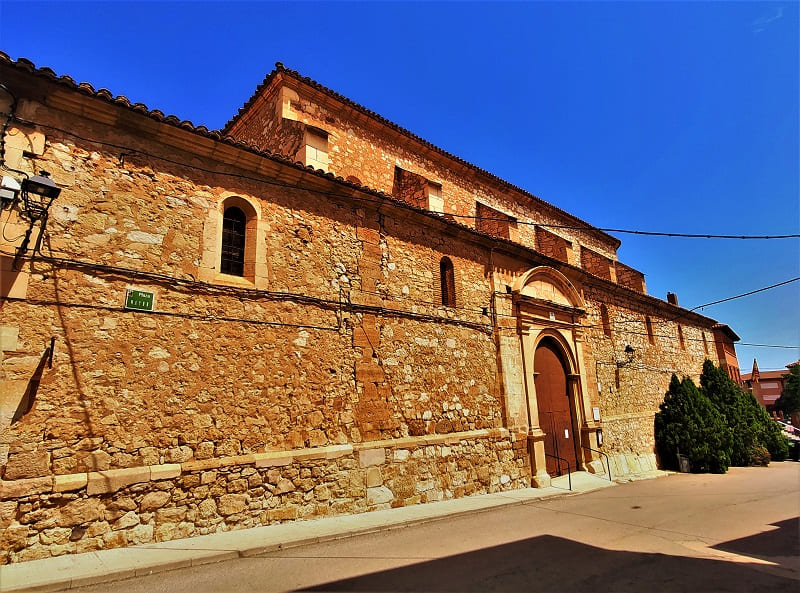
<point x="750" y="425"/>
<point x="759" y="455"/>
<point x="688" y="423"/>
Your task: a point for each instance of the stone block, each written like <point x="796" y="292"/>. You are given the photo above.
<point x="98" y="528"/>
<point x="235" y="460"/>
<point x="115" y="539"/>
<point x="8" y="337"/>
<point x="141" y="534"/>
<point x="170" y="515"/>
<point x="69" y="482"/>
<point x="127" y="520"/>
<point x="207" y="509"/>
<point x="370" y="457"/>
<point x="149" y="456"/>
<point x="80" y="511"/>
<point x="115" y="479"/>
<point x="330" y="452"/>
<point x="179" y="454"/>
<point x="56" y="535"/>
<point x="154" y="500"/>
<point x="374" y="477"/>
<point x="322" y="492"/>
<point x="164" y="532"/>
<point x="20" y="488"/>
<point x="28" y="464"/>
<point x="200" y="465"/>
<point x="8" y="513"/>
<point x="273" y="459"/>
<point x="230" y="504"/>
<point x="284" y="486"/>
<point x="14" y="538"/>
<point x="166" y="471"/>
<point x="98" y="461"/>
<point x="379" y="495"/>
<point x="286" y="513"/>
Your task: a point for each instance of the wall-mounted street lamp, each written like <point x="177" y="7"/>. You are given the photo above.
<point x="38" y="193"/>
<point x="630" y="351"/>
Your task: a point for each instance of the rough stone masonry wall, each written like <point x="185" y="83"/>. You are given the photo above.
<point x="52" y="516"/>
<point x="630" y="392"/>
<point x="222" y="371"/>
<point x="358" y="150"/>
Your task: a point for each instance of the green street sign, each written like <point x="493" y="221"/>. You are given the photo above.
<point x="139" y="300"/>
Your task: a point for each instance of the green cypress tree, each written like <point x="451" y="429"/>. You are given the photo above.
<point x="755" y="438"/>
<point x="687" y="422"/>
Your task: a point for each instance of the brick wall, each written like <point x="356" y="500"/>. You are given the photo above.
<point x="552" y="245"/>
<point x="596" y="264"/>
<point x="630" y="278"/>
<point x="494" y="222"/>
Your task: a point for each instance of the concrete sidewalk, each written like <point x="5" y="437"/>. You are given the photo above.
<point x="66" y="572"/>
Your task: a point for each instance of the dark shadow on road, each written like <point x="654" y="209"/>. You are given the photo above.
<point x="554" y="564"/>
<point x="783" y="541"/>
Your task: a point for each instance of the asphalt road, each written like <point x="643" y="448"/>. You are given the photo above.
<point x="733" y="532"/>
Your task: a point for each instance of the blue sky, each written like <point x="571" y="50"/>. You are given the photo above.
<point x="640" y="115"/>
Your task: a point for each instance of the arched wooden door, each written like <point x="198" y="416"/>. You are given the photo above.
<point x="555" y="411"/>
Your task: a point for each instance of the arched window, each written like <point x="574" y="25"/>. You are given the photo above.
<point x="680" y="337"/>
<point x="649" y="324"/>
<point x="234" y="227"/>
<point x="605" y="320"/>
<point x="448" y="280"/>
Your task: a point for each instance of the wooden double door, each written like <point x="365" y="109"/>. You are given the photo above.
<point x="555" y="409"/>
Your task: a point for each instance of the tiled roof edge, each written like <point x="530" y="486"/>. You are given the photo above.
<point x="726" y="329"/>
<point x="280" y="68"/>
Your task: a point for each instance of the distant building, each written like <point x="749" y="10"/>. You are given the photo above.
<point x="766" y="386"/>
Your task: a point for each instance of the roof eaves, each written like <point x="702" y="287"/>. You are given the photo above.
<point x="726" y="329"/>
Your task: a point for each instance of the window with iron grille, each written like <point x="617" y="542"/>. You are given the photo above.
<point x="234" y="223"/>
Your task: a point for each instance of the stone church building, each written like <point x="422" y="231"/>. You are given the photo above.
<point x="310" y="312"/>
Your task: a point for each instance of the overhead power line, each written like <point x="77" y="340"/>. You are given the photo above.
<point x="767" y="345"/>
<point x="443" y="214"/>
<point x="744" y="294"/>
